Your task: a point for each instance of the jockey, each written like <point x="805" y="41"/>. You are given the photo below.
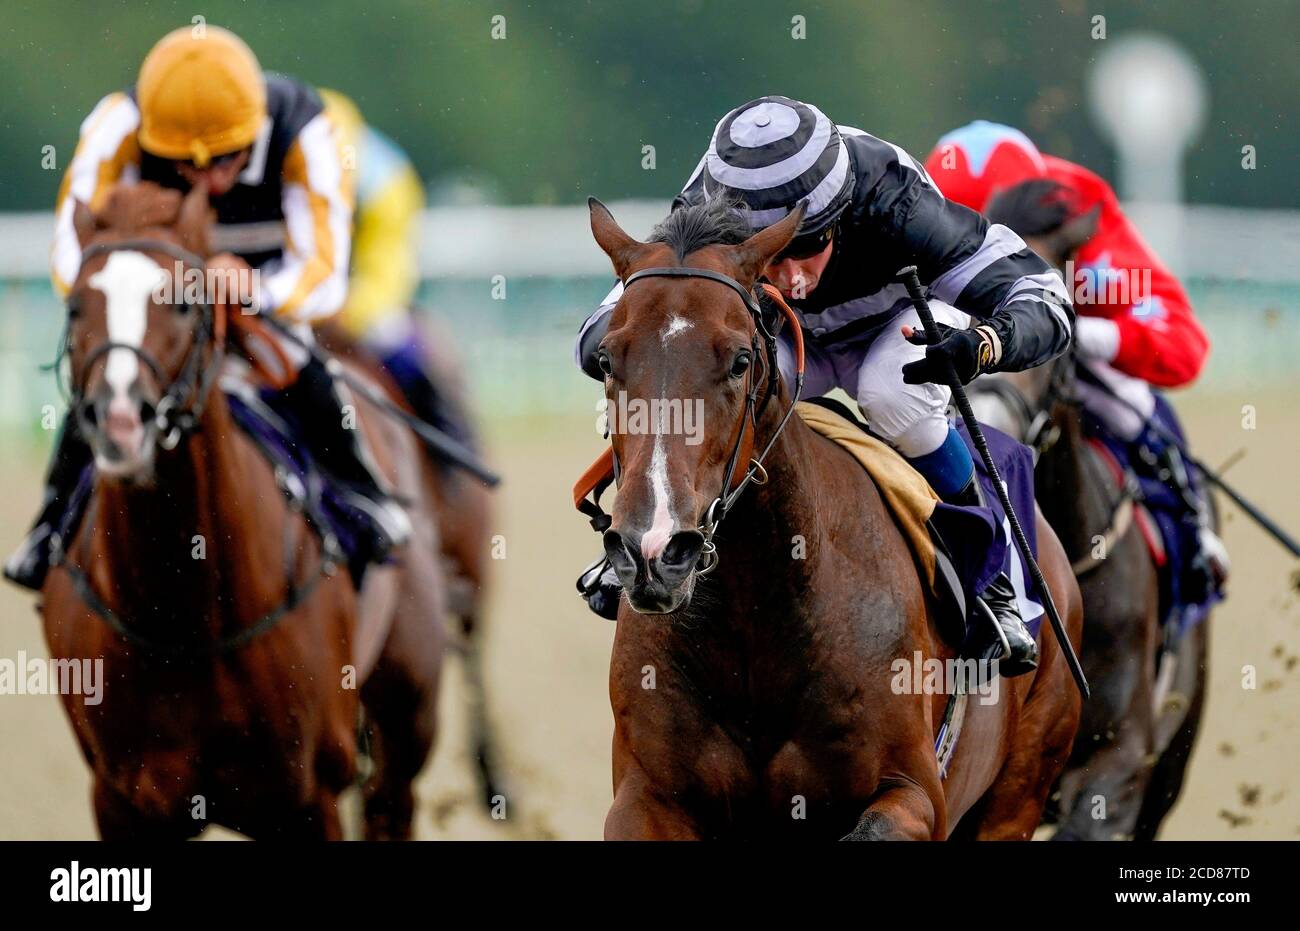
<point x="872" y="209"/>
<point x="203" y="111"/>
<point x="1128" y="338"/>
<point x="384" y="273"/>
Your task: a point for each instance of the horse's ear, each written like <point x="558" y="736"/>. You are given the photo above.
<point x="752" y="255"/>
<point x="621" y="248"/>
<point x="1072" y="234"/>
<point x="195" y="219"/>
<point x="83" y="222"/>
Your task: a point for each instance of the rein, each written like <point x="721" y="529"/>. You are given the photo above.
<point x="176" y="419"/>
<point x="767" y="384"/>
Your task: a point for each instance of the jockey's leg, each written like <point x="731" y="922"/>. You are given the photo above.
<point x="326" y="412"/>
<point x="914" y="420"/>
<point x="31" y="561"/>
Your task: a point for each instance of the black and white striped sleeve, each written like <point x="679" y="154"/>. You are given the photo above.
<point x="982" y="268"/>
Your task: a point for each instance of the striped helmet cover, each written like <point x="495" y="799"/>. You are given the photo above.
<point x="774" y="153"/>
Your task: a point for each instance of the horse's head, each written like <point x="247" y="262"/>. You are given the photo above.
<point x="1041" y="212"/>
<point x="681" y="359"/>
<point x="136" y="332"/>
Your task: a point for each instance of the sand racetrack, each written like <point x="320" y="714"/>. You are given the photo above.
<point x="547" y="658"/>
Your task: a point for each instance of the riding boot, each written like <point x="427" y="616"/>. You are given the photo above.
<point x="601" y="589"/>
<point x="1016" y="650"/>
<point x="31" y="561"/>
<point x="337" y="443"/>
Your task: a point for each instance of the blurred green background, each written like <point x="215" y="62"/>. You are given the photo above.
<point x="562" y="106"/>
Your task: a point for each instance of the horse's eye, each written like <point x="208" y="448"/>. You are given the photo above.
<point x="74" y="308"/>
<point x="182" y="308"/>
<point x="741" y="365"/>
<point x="602" y="360"/>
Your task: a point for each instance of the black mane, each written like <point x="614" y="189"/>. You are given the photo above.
<point x="1031" y="208"/>
<point x="714" y="222"/>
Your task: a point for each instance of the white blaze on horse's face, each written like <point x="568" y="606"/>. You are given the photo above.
<point x="128" y="281"/>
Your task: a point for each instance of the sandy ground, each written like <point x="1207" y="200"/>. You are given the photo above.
<point x="547" y="659"/>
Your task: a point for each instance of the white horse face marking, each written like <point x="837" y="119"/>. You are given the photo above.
<point x="128" y="281"/>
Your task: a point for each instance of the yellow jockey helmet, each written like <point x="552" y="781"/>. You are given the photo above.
<point x="201" y="94"/>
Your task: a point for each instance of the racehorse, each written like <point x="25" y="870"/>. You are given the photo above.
<point x="1136" y="733"/>
<point x="237" y="660"/>
<point x="751" y="688"/>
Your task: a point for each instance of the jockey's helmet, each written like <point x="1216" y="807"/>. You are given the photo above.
<point x="201" y="95"/>
<point x="773" y="154"/>
<point x="980" y="159"/>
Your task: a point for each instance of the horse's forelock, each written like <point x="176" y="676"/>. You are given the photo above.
<point x="137" y="207"/>
<point x="716" y="221"/>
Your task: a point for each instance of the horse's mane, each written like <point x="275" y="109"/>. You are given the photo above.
<point x="715" y="221"/>
<point x="1031" y="208"/>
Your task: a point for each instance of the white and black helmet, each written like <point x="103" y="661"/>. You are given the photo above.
<point x="774" y="153"/>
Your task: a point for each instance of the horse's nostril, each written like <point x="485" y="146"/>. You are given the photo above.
<point x="622" y="555"/>
<point x="147" y="412"/>
<point x="683" y="550"/>
<point x="89" y="413"/>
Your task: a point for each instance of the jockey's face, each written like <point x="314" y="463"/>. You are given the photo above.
<point x="797" y="278"/>
<point x="220" y="174"/>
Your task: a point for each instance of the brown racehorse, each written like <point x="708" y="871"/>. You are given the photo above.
<point x="1136" y="733"/>
<point x="234" y="663"/>
<point x="758" y="700"/>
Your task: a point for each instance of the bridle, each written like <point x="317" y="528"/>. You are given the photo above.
<point x="767" y="384"/>
<point x="178" y="415"/>
<point x="181" y="407"/>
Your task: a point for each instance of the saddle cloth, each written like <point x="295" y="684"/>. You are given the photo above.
<point x="970" y="543"/>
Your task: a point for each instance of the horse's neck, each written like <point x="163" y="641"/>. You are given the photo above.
<point x="1074" y="503"/>
<point x="175" y="552"/>
<point x="775" y="540"/>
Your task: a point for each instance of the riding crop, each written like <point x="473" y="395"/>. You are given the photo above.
<point x="912" y="282"/>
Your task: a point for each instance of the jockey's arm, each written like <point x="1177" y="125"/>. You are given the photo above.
<point x="106" y="152"/>
<point x="310" y="282"/>
<point x="1155" y="336"/>
<point x="981" y="268"/>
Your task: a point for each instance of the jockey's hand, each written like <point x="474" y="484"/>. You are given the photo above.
<point x="972" y="353"/>
<point x="230" y="280"/>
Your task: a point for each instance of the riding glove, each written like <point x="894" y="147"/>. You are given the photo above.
<point x="972" y="352"/>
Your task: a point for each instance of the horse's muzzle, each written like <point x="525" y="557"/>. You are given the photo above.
<point x="661" y="584"/>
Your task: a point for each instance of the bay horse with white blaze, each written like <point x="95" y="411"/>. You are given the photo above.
<point x="235" y="660"/>
<point x="758" y="701"/>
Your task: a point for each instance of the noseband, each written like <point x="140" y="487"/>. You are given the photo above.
<point x="754" y="407"/>
<point x="181" y="406"/>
